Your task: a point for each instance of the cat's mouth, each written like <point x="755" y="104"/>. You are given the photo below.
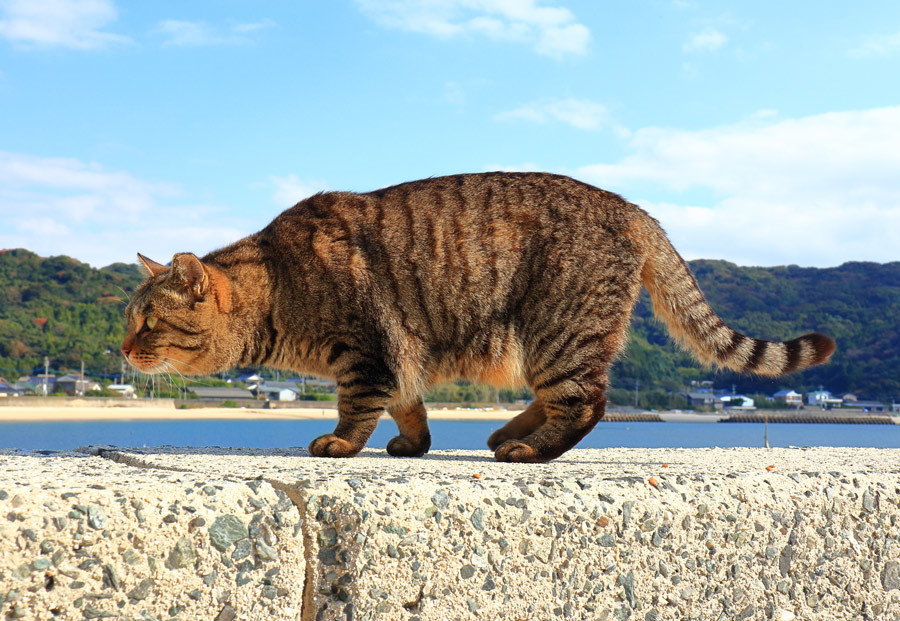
<point x="150" y="367"/>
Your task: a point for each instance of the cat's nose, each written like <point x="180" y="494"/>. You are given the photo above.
<point x="127" y="347"/>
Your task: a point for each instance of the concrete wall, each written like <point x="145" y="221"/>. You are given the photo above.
<point x="599" y="534"/>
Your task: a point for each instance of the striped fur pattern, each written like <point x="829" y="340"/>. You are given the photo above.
<point x="505" y="278"/>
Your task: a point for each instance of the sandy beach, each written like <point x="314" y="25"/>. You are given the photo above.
<point x="14" y="414"/>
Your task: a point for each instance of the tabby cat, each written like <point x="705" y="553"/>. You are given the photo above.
<point x="503" y="278"/>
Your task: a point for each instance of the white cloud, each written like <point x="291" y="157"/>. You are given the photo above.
<point x="74" y="24"/>
<point x="262" y="24"/>
<point x="709" y="40"/>
<point x="551" y="30"/>
<point x="818" y="190"/>
<point x="290" y="190"/>
<point x="579" y="113"/>
<point x="877" y="45"/>
<point x="179" y="33"/>
<point x="55" y="206"/>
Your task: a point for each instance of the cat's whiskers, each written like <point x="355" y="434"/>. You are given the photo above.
<point x="168" y="359"/>
<point x="127" y="297"/>
<point x="170" y="368"/>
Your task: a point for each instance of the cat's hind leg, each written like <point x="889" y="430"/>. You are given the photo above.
<point x="522" y="425"/>
<point x="570" y="382"/>
<point x="412" y="422"/>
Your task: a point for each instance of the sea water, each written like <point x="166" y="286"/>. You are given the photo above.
<point x="444" y="434"/>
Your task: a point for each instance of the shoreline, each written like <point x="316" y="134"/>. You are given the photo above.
<point x="166" y="410"/>
<point x="12" y="414"/>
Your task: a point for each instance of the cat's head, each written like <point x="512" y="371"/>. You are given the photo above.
<point x="175" y="318"/>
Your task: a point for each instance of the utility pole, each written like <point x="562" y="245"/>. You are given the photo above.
<point x="82" y="379"/>
<point x="46" y="373"/>
<point x="637" y="385"/>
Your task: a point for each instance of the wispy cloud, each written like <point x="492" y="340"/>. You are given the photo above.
<point x="877" y="45"/>
<point x="76" y="24"/>
<point x="708" y="40"/>
<point x="551" y="30"/>
<point x="579" y="113"/>
<point x="454" y="94"/>
<point x="66" y="206"/>
<point x="179" y="33"/>
<point x="784" y="193"/>
<point x="290" y="190"/>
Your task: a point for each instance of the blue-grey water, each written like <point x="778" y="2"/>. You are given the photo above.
<point x="445" y="434"/>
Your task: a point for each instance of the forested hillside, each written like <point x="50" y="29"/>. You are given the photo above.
<point x="61" y="308"/>
<point x="68" y="311"/>
<point x="858" y="304"/>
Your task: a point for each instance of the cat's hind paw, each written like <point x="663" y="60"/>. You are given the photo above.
<point x="330" y="445"/>
<point x="401" y="446"/>
<point x="498" y="438"/>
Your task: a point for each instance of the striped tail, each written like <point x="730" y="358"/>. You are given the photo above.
<point x="679" y="303"/>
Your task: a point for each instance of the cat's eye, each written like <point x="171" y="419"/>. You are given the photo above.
<point x="149" y="324"/>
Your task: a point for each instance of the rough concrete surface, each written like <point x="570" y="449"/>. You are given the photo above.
<point x="640" y="534"/>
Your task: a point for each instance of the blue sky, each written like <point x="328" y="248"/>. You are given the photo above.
<point x="764" y="133"/>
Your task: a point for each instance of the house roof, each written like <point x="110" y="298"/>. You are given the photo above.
<point x="289" y="385"/>
<point x="786" y="393"/>
<point x="216" y="392"/>
<point x="705" y="396"/>
<point x="249" y="377"/>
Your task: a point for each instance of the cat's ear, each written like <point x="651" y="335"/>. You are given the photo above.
<point x="151" y="267"/>
<point x="190" y="273"/>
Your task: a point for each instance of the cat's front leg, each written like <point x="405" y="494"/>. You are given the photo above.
<point x="364" y="390"/>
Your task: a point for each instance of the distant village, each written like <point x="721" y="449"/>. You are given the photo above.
<point x="704" y="396"/>
<point x="250" y="387"/>
<point x="240" y="389"/>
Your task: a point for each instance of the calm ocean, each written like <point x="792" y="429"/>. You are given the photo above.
<point x="445" y="434"/>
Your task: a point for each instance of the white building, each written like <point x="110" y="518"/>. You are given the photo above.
<point x="279" y="394"/>
<point x="738" y="401"/>
<point x="791" y="397"/>
<point x="125" y="390"/>
<point x="823" y="399"/>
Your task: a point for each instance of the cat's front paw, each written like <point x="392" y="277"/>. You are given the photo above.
<point x="330" y="445"/>
<point x="517" y="452"/>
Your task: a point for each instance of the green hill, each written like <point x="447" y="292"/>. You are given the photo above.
<point x="858" y="304"/>
<point x="64" y="309"/>
<point x="69" y="311"/>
